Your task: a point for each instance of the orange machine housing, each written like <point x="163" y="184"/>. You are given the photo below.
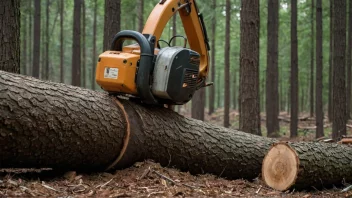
<point x="126" y="61"/>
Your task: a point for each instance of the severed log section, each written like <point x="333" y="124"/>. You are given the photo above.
<point x="52" y="125"/>
<point x="307" y="165"/>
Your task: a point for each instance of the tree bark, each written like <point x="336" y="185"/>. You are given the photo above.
<point x="249" y="67"/>
<point x="311" y="78"/>
<point x="10" y="36"/>
<point x="76" y="44"/>
<point x="294" y="71"/>
<point x="112" y="21"/>
<point x="62" y="69"/>
<point x="227" y="66"/>
<point x="140" y="15"/>
<point x="94" y="43"/>
<point x="339" y="61"/>
<point x="24" y="57"/>
<point x="307" y="165"/>
<point x="212" y="59"/>
<point x="349" y="63"/>
<point x="198" y="104"/>
<point x="46" y="69"/>
<point x="330" y="62"/>
<point x="84" y="44"/>
<point x="46" y="124"/>
<point x="30" y="39"/>
<point x="272" y="72"/>
<point x="319" y="72"/>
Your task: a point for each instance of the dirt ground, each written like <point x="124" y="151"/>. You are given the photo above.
<point x="149" y="179"/>
<point x="144" y="179"/>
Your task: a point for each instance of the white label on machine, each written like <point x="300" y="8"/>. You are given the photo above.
<point x="111" y="72"/>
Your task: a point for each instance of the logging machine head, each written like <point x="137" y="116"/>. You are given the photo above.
<point x="169" y="75"/>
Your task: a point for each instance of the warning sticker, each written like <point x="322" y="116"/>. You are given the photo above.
<point x="111" y="72"/>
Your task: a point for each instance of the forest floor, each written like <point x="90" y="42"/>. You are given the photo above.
<point x="149" y="179"/>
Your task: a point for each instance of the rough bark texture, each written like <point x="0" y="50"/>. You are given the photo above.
<point x="227" y="66"/>
<point x="94" y="44"/>
<point x="212" y="59"/>
<point x="272" y="71"/>
<point x="198" y="104"/>
<point x="319" y="72"/>
<point x="321" y="165"/>
<point x="10" y="36"/>
<point x="349" y="63"/>
<point x="76" y="44"/>
<point x="311" y="78"/>
<point x="249" y="68"/>
<point x="112" y="21"/>
<point x="62" y="68"/>
<point x="36" y="43"/>
<point x="339" y="73"/>
<point x="46" y="124"/>
<point x="294" y="71"/>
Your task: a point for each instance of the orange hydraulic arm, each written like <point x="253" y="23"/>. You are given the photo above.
<point x="192" y="23"/>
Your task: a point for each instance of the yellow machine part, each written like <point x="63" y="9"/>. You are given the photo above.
<point x="116" y="71"/>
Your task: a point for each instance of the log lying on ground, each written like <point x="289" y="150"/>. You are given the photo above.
<point x="306" y="165"/>
<point x="52" y="125"/>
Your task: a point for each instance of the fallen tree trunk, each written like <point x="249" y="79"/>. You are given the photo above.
<point x="46" y="124"/>
<point x="306" y="165"/>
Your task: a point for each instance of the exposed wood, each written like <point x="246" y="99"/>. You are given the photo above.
<point x="46" y="124"/>
<point x="307" y="165"/>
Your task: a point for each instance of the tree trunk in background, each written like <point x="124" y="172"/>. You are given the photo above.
<point x="219" y="88"/>
<point x="294" y="71"/>
<point x="30" y="39"/>
<point x="112" y="21"/>
<point x="84" y="44"/>
<point x="319" y="72"/>
<point x="249" y="67"/>
<point x="140" y="15"/>
<point x="62" y="69"/>
<point x="94" y="59"/>
<point x="331" y="62"/>
<point x="227" y="66"/>
<point x="24" y="40"/>
<point x="174" y="29"/>
<point x="235" y="88"/>
<point x="311" y="87"/>
<point x="76" y="44"/>
<point x="272" y="71"/>
<point x="46" y="70"/>
<point x="349" y="62"/>
<point x="36" y="38"/>
<point x="88" y="135"/>
<point x="198" y="104"/>
<point x="212" y="59"/>
<point x="339" y="59"/>
<point x="10" y="36"/>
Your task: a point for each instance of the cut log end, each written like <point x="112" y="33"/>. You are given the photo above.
<point x="280" y="167"/>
